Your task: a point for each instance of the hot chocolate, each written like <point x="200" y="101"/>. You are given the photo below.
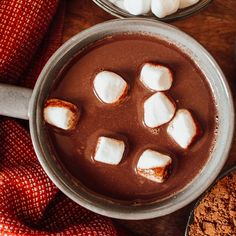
<point x="75" y="148"/>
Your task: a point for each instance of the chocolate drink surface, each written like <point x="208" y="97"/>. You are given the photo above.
<point x="124" y="55"/>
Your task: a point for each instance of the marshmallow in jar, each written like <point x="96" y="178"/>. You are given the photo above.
<point x="160" y="8"/>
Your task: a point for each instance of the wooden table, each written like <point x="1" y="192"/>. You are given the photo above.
<point x="215" y="28"/>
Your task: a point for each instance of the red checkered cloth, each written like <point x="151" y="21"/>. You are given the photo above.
<point x="30" y="204"/>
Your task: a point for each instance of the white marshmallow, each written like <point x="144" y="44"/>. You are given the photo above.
<point x="109" y="150"/>
<point x="154" y="165"/>
<point x="137" y="7"/>
<point x="183" y="128"/>
<point x="162" y="8"/>
<point x="158" y="110"/>
<point x="61" y="114"/>
<point x="118" y="3"/>
<point x="110" y="87"/>
<point x="156" y="77"/>
<point x="187" y="3"/>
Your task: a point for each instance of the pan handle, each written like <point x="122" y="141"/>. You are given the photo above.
<point x="14" y="101"/>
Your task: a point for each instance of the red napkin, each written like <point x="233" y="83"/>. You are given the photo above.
<point x="30" y="204"/>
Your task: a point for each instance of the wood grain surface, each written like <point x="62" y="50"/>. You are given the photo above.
<point x="215" y="28"/>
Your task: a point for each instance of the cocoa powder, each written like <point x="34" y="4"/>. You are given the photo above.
<point x="216" y="213"/>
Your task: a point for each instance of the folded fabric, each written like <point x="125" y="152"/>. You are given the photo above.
<point x="23" y="25"/>
<point x="30" y="204"/>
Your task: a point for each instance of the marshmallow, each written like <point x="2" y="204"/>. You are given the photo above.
<point x="154" y="165"/>
<point x="183" y="128"/>
<point x="162" y="8"/>
<point x="187" y="3"/>
<point x="156" y="77"/>
<point x="158" y="110"/>
<point x="137" y="7"/>
<point x="110" y="87"/>
<point x="118" y="3"/>
<point x="61" y="114"/>
<point x="109" y="150"/>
